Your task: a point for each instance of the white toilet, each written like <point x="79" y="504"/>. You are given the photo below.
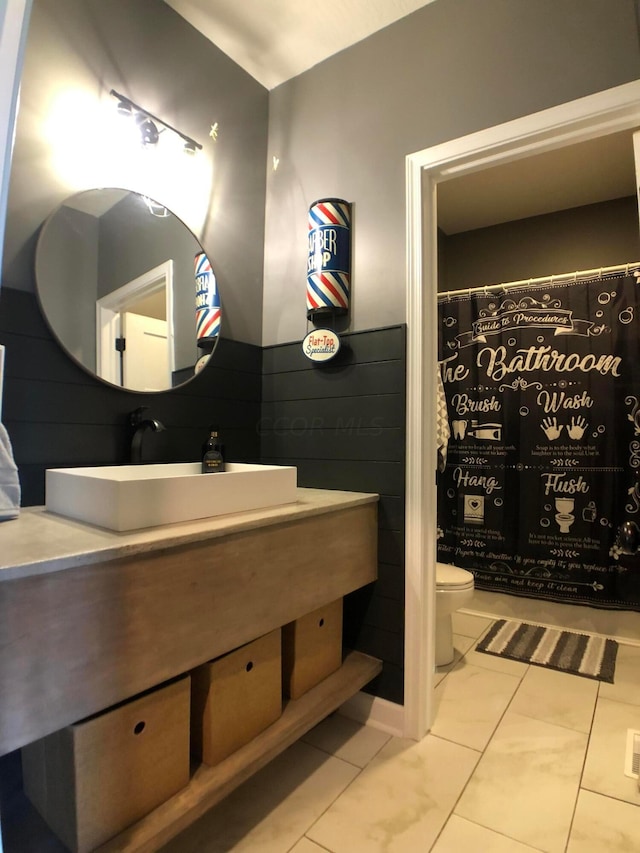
<point x="454" y="589"/>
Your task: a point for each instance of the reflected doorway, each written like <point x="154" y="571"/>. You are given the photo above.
<point x="135" y="347"/>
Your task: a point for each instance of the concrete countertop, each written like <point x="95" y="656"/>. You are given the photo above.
<point x="39" y="542"/>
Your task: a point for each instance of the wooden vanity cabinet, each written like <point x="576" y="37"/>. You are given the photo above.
<point x="81" y="639"/>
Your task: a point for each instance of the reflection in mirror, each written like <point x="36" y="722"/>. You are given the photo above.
<point x="127" y="290"/>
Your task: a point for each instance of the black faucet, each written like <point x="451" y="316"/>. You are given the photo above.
<point x="140" y="425"/>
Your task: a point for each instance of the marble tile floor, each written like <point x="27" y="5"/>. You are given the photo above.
<point x="520" y="759"/>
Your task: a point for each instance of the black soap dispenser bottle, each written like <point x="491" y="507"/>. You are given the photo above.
<point x="212" y="457"/>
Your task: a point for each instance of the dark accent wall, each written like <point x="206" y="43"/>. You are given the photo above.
<point x="58" y="415"/>
<point x="343" y="425"/>
<point x="587" y="237"/>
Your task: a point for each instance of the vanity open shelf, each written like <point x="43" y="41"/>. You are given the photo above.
<point x="91" y="618"/>
<point x="209" y="785"/>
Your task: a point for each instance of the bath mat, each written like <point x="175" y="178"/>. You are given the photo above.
<point x="579" y="654"/>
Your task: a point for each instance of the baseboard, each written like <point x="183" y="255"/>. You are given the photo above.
<point x="1" y="376"/>
<point x="379" y="713"/>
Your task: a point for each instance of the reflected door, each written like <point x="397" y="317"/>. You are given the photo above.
<point x="146" y="356"/>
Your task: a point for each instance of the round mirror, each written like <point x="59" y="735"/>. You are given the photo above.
<point x="127" y="290"/>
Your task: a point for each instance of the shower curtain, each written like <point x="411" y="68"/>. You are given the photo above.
<point x="542" y="389"/>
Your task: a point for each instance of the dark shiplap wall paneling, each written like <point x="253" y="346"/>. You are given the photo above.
<point x="343" y="426"/>
<point x="57" y="415"/>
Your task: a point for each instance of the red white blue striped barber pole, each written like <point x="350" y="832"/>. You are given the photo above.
<point x="329" y="260"/>
<point x="208" y="313"/>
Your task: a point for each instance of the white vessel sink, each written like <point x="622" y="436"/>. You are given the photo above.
<point x="128" y="497"/>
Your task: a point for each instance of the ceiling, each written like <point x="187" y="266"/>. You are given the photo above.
<point x="598" y="170"/>
<point x="275" y="40"/>
<point x="95" y="202"/>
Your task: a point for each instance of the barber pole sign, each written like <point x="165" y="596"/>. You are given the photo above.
<point x="329" y="258"/>
<point x="208" y="314"/>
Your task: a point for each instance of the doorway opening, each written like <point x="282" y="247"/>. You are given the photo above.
<point x="587" y="118"/>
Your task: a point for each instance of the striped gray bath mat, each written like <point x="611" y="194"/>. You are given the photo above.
<point x="579" y="654"/>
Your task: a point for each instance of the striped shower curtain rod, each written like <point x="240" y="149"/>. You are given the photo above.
<point x="562" y="278"/>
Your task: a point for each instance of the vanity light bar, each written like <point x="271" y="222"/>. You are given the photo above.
<point x="190" y="144"/>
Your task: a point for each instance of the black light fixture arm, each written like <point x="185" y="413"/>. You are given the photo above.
<point x="123" y="99"/>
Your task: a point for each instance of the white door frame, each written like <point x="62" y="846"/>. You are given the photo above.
<point x="109" y="308"/>
<point x="14" y="21"/>
<point x="587" y="118"/>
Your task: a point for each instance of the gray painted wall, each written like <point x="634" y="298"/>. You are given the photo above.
<point x="70" y="267"/>
<point x="454" y="67"/>
<point x="596" y="235"/>
<point x="132" y="242"/>
<point x="343" y="128"/>
<point x="148" y="52"/>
